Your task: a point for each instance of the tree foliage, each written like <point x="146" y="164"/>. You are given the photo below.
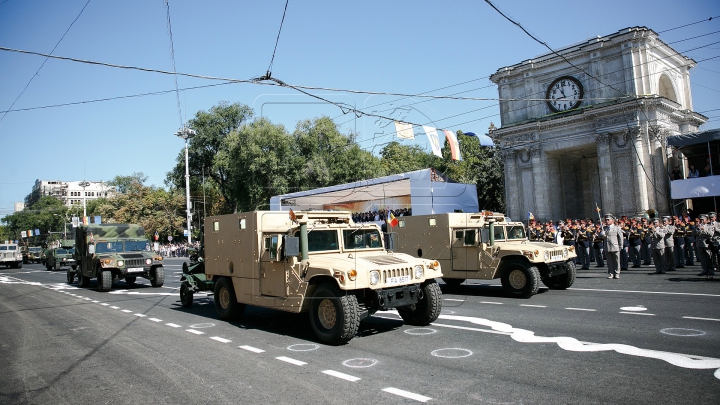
<point x="47" y="214"/>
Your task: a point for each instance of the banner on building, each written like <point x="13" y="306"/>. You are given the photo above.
<point x="454" y="145"/>
<point x="434" y="141"/>
<point x="23" y="234"/>
<point x="37" y="232"/>
<point x="98" y="220"/>
<point x="404" y="130"/>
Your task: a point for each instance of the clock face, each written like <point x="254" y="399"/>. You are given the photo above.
<point x="565" y="93"/>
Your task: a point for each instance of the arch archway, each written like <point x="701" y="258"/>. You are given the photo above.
<point x="666" y="88"/>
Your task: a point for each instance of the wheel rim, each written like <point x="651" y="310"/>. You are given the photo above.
<point x="327" y="314"/>
<point x="185" y="293"/>
<point x="517" y="279"/>
<point x="224" y="297"/>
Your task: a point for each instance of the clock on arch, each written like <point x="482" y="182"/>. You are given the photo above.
<point x="564" y="93"/>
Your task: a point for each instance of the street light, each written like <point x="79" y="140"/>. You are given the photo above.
<point x="84" y="184"/>
<point x="187" y="133"/>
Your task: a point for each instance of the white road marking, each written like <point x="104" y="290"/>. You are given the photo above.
<point x="534" y="306"/>
<point x="636" y="313"/>
<point x="344" y="376"/>
<point x="140" y="315"/>
<point x="87" y="299"/>
<point x="291" y="361"/>
<point x="104" y="304"/>
<point x="194" y="331"/>
<point x="126" y="292"/>
<point x="491" y="302"/>
<point x="173" y="325"/>
<point x="303" y="347"/>
<point x="638" y="308"/>
<point x="581" y="309"/>
<point x="646" y="292"/>
<point x="467" y="328"/>
<point x="359" y="363"/>
<point x="95" y="301"/>
<point x="451" y="353"/>
<point x="252" y="349"/>
<point x="701" y="319"/>
<point x="155" y="319"/>
<point x="126" y="310"/>
<point x="574" y="345"/>
<point x="406" y="394"/>
<point x="221" y="340"/>
<point x="115" y="307"/>
<point x="452" y="299"/>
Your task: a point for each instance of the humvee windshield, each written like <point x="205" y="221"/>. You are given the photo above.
<point x="35" y="249"/>
<point x="130" y="246"/>
<point x="516" y="232"/>
<point x="322" y="240"/>
<point x="136" y="245"/>
<point x="362" y="239"/>
<point x="64" y="251"/>
<point x="8" y="247"/>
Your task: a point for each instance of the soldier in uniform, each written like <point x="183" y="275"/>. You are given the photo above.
<point x="704" y="231"/>
<point x="713" y="242"/>
<point x="582" y="241"/>
<point x="613" y="245"/>
<point x="689" y="240"/>
<point x="669" y="244"/>
<point x="645" y="248"/>
<point x="635" y="242"/>
<point x="679" y="239"/>
<point x="591" y="228"/>
<point x="657" y="238"/>
<point x="625" y="228"/>
<point x="598" y="242"/>
<point x="568" y="235"/>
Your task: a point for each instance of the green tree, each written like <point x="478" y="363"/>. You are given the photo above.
<point x="47" y="214"/>
<point x="398" y="158"/>
<point x="123" y="183"/>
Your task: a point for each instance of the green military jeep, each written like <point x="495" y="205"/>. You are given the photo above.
<point x="114" y="252"/>
<point x="56" y="258"/>
<point x="34" y="255"/>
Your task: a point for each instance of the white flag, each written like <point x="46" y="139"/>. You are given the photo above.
<point x="454" y="145"/>
<point x="23" y="234"/>
<point x="404" y="130"/>
<point x="433" y="138"/>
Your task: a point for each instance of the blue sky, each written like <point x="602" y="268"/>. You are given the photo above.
<point x="388" y="46"/>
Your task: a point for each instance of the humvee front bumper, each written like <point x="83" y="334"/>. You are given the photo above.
<point x="556" y="268"/>
<point x="397" y="297"/>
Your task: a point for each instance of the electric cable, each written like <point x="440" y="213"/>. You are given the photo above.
<point x="172" y="58"/>
<point x="269" y="69"/>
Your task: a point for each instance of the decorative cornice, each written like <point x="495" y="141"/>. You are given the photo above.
<point x="513" y="140"/>
<point x="534" y="150"/>
<point x="508" y="154"/>
<point x="603" y="138"/>
<point x="613" y="120"/>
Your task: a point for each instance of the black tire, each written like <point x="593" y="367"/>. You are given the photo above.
<point x="105" y="280"/>
<point x="453" y="282"/>
<point x="74" y="266"/>
<point x="70" y="276"/>
<point x="428" y="308"/>
<point x="48" y="267"/>
<point x="561" y="281"/>
<point x="130" y="279"/>
<point x="226" y="304"/>
<point x="520" y="279"/>
<point x="19" y="265"/>
<point x="186" y="294"/>
<point x="334" y="314"/>
<point x="57" y="266"/>
<point x="185" y="268"/>
<point x="83" y="280"/>
<point x="158" y="276"/>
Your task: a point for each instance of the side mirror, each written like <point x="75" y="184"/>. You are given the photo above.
<point x="91" y="248"/>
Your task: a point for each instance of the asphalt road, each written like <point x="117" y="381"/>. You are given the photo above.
<point x="640" y="339"/>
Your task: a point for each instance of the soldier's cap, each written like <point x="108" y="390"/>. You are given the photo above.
<point x="667" y="218"/>
<point x="656" y="221"/>
<point x="609" y="216"/>
<point x="702" y="216"/>
<point x="712" y="214"/>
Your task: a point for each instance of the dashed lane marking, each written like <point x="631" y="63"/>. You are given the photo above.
<point x="344" y="376"/>
<point x="646" y="292"/>
<point x="491" y="302"/>
<point x="155" y="319"/>
<point x="195" y="331"/>
<point x="173" y="325"/>
<point x="533" y="306"/>
<point x="452" y="299"/>
<point x="581" y="309"/>
<point x="113" y="307"/>
<point x="140" y="315"/>
<point x="636" y="313"/>
<point x="126" y="310"/>
<point x="291" y="361"/>
<point x="701" y="319"/>
<point x="251" y="349"/>
<point x="105" y="304"/>
<point x="221" y="340"/>
<point x="95" y="301"/>
<point x="406" y="394"/>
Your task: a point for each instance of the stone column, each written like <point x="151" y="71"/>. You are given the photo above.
<point x="512" y="200"/>
<point x="634" y="135"/>
<point x="607" y="189"/>
<point x="540" y="183"/>
<point x="662" y="183"/>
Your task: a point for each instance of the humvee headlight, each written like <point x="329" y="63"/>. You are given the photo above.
<point x="565" y="253"/>
<point x="352" y="274"/>
<point x="419" y="271"/>
<point x="148" y="261"/>
<point x="374" y="277"/>
<point x="120" y="263"/>
<point x="546" y="255"/>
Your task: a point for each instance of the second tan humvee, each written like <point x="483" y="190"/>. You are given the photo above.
<point x="484" y="246"/>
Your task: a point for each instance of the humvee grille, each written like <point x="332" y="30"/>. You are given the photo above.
<point x="134" y="262"/>
<point x="395" y="273"/>
<point x="384" y="260"/>
<point x="556" y="253"/>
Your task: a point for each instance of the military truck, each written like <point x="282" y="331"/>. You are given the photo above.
<point x="319" y="262"/>
<point x="487" y="246"/>
<point x="61" y="255"/>
<point x="112" y="252"/>
<point x="33" y="254"/>
<point x="10" y="255"/>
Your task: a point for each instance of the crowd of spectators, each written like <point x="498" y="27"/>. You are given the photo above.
<point x="174" y="249"/>
<point x="380" y="215"/>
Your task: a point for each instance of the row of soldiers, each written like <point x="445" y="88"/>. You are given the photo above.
<point x="670" y="243"/>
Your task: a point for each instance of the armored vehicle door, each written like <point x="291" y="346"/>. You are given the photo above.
<point x="465" y="249"/>
<point x="273" y="269"/>
<point x="487" y="254"/>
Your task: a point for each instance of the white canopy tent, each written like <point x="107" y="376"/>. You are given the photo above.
<point x="426" y="191"/>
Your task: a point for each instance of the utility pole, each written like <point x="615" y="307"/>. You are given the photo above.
<point x="187" y="133"/>
<point x="84" y="184"/>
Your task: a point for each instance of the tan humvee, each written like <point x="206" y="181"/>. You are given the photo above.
<point x="484" y="246"/>
<point x="318" y="262"/>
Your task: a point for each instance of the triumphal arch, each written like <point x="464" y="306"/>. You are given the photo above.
<point x="587" y="125"/>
